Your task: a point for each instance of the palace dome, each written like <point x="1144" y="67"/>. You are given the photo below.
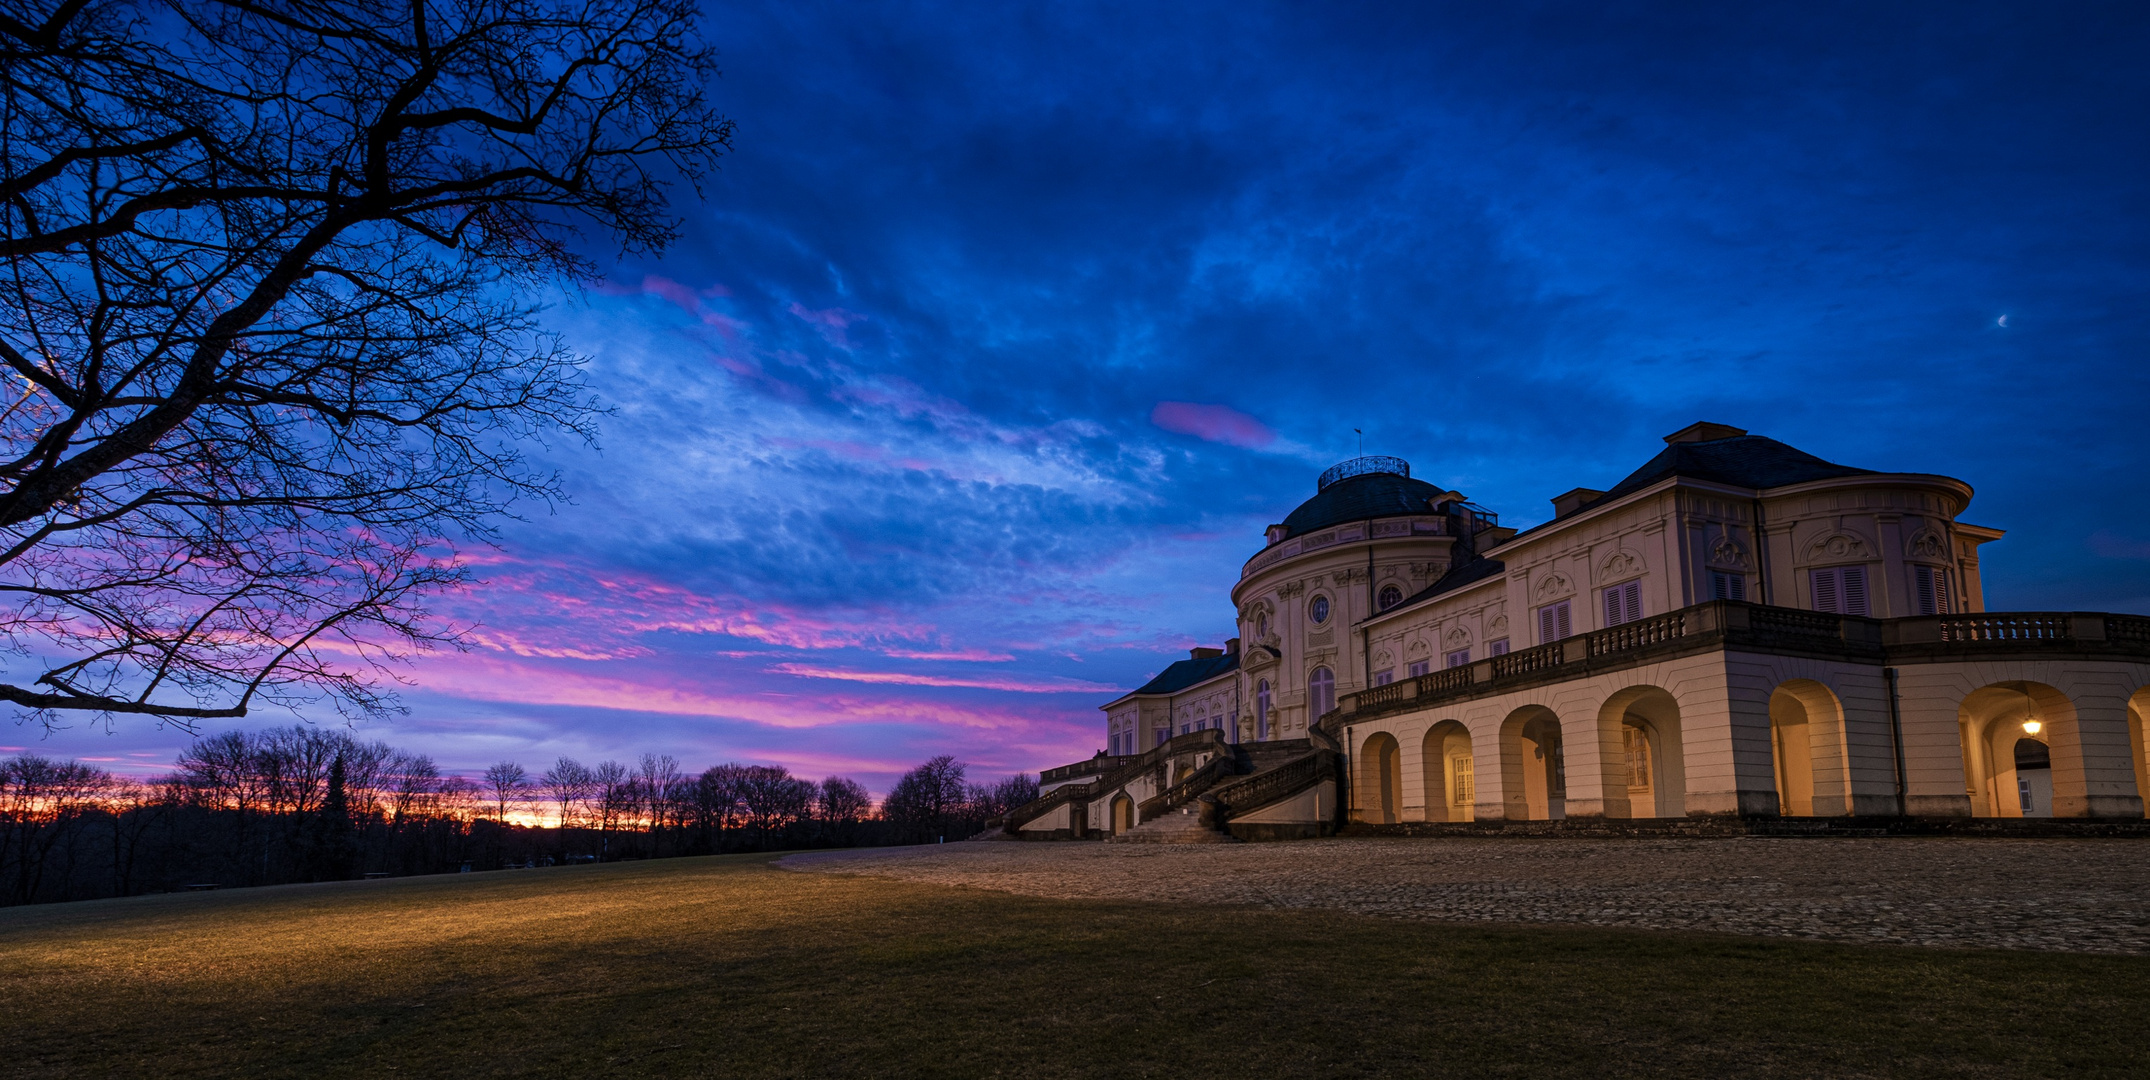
<point x="1362" y="488"/>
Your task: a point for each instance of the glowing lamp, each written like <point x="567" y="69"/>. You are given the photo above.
<point x="2030" y="727"/>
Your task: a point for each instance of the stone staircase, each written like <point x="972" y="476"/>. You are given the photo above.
<point x="1180" y="826"/>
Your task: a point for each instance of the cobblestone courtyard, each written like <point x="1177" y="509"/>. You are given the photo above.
<point x="2069" y="895"/>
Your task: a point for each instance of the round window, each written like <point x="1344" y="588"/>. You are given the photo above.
<point x="1390" y="597"/>
<point x="1320" y="610"/>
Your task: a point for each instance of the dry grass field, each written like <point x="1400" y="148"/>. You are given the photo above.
<point x="730" y="967"/>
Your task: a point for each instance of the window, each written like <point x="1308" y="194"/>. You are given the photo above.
<point x="1461" y="772"/>
<point x="1725" y="585"/>
<point x="1554" y="622"/>
<point x="1932" y="585"/>
<point x="1420" y="667"/>
<point x="1163" y="734"/>
<point x="1261" y="709"/>
<point x="1383" y="678"/>
<point x="1459" y="658"/>
<point x="1497" y="647"/>
<point x="1319" y="609"/>
<point x="1390" y="597"/>
<point x="1840" y="590"/>
<point x="1637" y="744"/>
<point x="1623" y="603"/>
<point x="1261" y="625"/>
<point x="1320" y="693"/>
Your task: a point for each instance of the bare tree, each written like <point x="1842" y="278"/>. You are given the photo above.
<point x="267" y="291"/>
<point x="612" y="789"/>
<point x="567" y="783"/>
<point x="507" y="783"/>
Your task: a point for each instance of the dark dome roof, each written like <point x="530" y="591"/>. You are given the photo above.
<point x="1356" y="498"/>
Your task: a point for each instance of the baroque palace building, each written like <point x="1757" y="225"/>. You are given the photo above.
<point x="1738" y="635"/>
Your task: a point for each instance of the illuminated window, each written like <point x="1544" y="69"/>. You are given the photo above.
<point x="1390" y="596"/>
<point x="1461" y="772"/>
<point x="1637" y="744"/>
<point x="1320" y="693"/>
<point x="1319" y="609"/>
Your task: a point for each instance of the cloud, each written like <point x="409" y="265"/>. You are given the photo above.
<point x="1212" y="423"/>
<point x="898" y="678"/>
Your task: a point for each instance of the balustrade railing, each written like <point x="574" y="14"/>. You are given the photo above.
<point x="1529" y="660"/>
<point x="1388" y="694"/>
<point x="2131" y="629"/>
<point x="2020" y="626"/>
<point x="1789" y="622"/>
<point x="1441" y="682"/>
<point x="1637" y="634"/>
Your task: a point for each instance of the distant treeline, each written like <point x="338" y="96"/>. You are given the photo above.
<point x="303" y="804"/>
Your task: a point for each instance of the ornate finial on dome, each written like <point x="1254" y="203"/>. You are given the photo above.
<point x="1361" y="466"/>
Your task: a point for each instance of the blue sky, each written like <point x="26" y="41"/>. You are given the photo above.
<point x="986" y="357"/>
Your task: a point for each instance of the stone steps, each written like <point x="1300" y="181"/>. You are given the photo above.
<point x="1181" y="826"/>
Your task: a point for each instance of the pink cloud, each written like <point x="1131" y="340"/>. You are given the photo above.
<point x="1212" y="423"/>
<point x="898" y="678"/>
<point x="979" y="655"/>
<point x="831" y="322"/>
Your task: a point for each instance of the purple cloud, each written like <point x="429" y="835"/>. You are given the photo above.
<point x="1212" y="423"/>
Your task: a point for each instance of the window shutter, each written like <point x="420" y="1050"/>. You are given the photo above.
<point x="1560" y="610"/>
<point x="1545" y="625"/>
<point x="1941" y="592"/>
<point x="1739" y="585"/>
<point x="1825" y="591"/>
<point x="1924" y="576"/>
<point x="1612" y="607"/>
<point x="1854" y="589"/>
<point x="1631" y="596"/>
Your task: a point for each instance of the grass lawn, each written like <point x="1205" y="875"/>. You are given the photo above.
<point x="729" y="967"/>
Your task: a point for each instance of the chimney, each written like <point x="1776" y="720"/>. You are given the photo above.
<point x="1231" y="646"/>
<point x="1569" y="502"/>
<point x="1199" y="653"/>
<point x="1704" y="431"/>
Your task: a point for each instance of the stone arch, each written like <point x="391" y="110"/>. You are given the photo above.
<point x="1806" y="745"/>
<point x="1380" y="762"/>
<point x="2139" y="741"/>
<point x="1123" y="813"/>
<point x="1533" y="766"/>
<point x="1642" y="752"/>
<point x="1450" y="773"/>
<point x="1996" y="717"/>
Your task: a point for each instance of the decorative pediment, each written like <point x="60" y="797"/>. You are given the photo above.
<point x="1458" y="638"/>
<point x="1384" y="659"/>
<point x="1553" y="585"/>
<point x="1728" y="554"/>
<point x="1498" y="627"/>
<point x="1257" y="658"/>
<point x="1926" y="544"/>
<point x="1623" y="563"/>
<point x="1838" y="547"/>
<point x="1416" y="648"/>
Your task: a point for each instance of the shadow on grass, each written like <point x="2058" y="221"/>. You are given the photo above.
<point x="730" y="967"/>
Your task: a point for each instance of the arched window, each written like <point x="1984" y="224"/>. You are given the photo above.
<point x="1319" y="609"/>
<point x="1320" y="693"/>
<point x="1261" y="709"/>
<point x="1390" y="596"/>
<point x="1261" y="625"/>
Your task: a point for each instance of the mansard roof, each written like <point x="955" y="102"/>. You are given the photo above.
<point x="1357" y="498"/>
<point x="1748" y="461"/>
<point x="1186" y="673"/>
<point x="1468" y="572"/>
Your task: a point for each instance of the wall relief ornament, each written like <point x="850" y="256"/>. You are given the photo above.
<point x="1347" y="576"/>
<point x="1416" y="648"/>
<point x="1927" y="544"/>
<point x="1458" y="638"/>
<point x="1290" y="589"/>
<point x="1384" y="659"/>
<point x="1728" y="554"/>
<point x="1837" y="547"/>
<point x="1554" y="584"/>
<point x="1498" y="627"/>
<point x="1623" y="563"/>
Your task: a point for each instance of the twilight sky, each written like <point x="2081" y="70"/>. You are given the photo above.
<point x="1004" y="333"/>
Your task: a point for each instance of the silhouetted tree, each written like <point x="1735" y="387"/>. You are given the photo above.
<point x="928" y="802"/>
<point x="265" y="281"/>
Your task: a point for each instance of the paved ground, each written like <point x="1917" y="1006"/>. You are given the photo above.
<point x="2069" y="895"/>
